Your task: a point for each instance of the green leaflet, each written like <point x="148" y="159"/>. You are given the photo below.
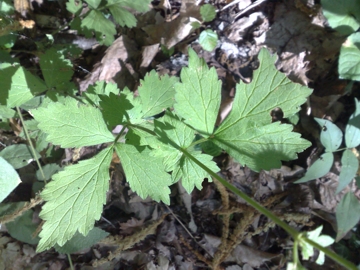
<point x="93" y="3"/>
<point x="262" y="147"/>
<point x="57" y="70"/>
<point x="79" y="242"/>
<point x="104" y="29"/>
<point x="97" y="19"/>
<point x="331" y="136"/>
<point x="114" y="109"/>
<point x="75" y="199"/>
<point x="145" y="174"/>
<point x="72" y="124"/>
<point x="191" y="174"/>
<point x="198" y="95"/>
<point x="248" y="134"/>
<point x="173" y="135"/>
<point x="21" y="88"/>
<point x="9" y="179"/>
<point x="352" y="130"/>
<point x="156" y="93"/>
<point x="94" y="92"/>
<point x="343" y="15"/>
<point x="347" y="214"/>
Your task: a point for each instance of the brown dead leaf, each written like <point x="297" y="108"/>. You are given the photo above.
<point x="130" y="225"/>
<point x="171" y="33"/>
<point x="116" y="66"/>
<point x="148" y="54"/>
<point x="303" y="47"/>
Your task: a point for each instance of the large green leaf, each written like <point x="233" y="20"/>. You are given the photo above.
<point x="72" y="124"/>
<point x="79" y="242"/>
<point x="319" y="168"/>
<point x="349" y="60"/>
<point x="198" y="95"/>
<point x="18" y="155"/>
<point x="115" y="109"/>
<point x="74" y="200"/>
<point x="146" y="174"/>
<point x="18" y="85"/>
<point x="9" y="179"/>
<point x="247" y="133"/>
<point x="352" y="130"/>
<point x="331" y="136"/>
<point x="156" y="93"/>
<point x="104" y="29"/>
<point x="349" y="168"/>
<point x="23" y="228"/>
<point x="343" y="16"/>
<point x="347" y="214"/>
<point x="57" y="70"/>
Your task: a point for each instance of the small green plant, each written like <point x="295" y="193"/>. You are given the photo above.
<point x="348" y="210"/>
<point x="344" y="17"/>
<point x="151" y="148"/>
<point x="96" y="19"/>
<point x="208" y="38"/>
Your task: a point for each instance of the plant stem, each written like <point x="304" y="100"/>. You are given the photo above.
<point x="294" y="234"/>
<point x="198" y="142"/>
<point x="30" y="143"/>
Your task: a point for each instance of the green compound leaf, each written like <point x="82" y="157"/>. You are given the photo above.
<point x="75" y="199"/>
<point x="349" y="167"/>
<point x="72" y="124"/>
<point x="57" y="70"/>
<point x="104" y="29"/>
<point x="208" y="13"/>
<point x="9" y="179"/>
<point x="319" y="168"/>
<point x="349" y="60"/>
<point x="198" y="96"/>
<point x="331" y="136"/>
<point x="343" y="16"/>
<point x="347" y="214"/>
<point x="352" y="130"/>
<point x="145" y="173"/>
<point x="247" y="133"/>
<point x="208" y="40"/>
<point x="18" y="85"/>
<point x="156" y="93"/>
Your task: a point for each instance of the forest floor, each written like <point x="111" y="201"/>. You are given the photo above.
<point x="192" y="232"/>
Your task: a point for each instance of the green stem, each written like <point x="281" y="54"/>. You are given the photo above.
<point x="198" y="142"/>
<point x="32" y="148"/>
<point x="70" y="261"/>
<point x="120" y="134"/>
<point x="294" y="234"/>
